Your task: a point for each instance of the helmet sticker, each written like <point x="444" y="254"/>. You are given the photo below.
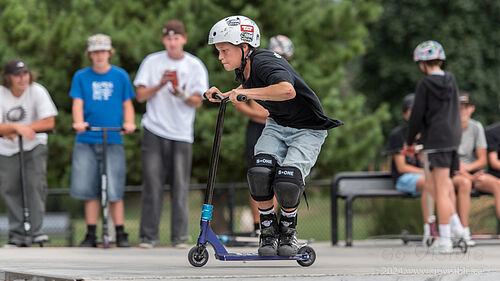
<point x="246" y="36"/>
<point x="246" y="28"/>
<point x="233" y="22"/>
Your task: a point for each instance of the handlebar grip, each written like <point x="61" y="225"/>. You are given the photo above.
<point x="214" y="96"/>
<point x="241" y="98"/>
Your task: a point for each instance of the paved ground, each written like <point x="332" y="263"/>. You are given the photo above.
<point x="367" y="260"/>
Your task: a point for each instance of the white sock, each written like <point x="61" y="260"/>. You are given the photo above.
<point x="427" y="229"/>
<point x="444" y="231"/>
<point x="456" y="224"/>
<point x="467" y="231"/>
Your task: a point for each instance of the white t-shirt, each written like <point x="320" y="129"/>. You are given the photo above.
<point x="166" y="115"/>
<point x="33" y="105"/>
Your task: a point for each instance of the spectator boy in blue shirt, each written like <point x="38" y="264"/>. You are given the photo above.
<point x="102" y="97"/>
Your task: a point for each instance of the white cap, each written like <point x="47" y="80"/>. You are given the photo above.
<point x="99" y="42"/>
<point x="235" y="30"/>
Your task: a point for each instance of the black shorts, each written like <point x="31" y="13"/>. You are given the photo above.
<point x="447" y="159"/>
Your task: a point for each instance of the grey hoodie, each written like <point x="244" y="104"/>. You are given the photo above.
<point x="436" y="113"/>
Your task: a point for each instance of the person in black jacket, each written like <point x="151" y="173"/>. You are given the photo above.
<point x="292" y="137"/>
<point x="436" y="115"/>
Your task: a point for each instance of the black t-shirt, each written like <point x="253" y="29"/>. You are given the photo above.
<point x="493" y="138"/>
<point x="304" y="111"/>
<point x="395" y="145"/>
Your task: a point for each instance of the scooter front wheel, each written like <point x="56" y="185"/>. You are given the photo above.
<point x="198" y="256"/>
<point x="312" y="256"/>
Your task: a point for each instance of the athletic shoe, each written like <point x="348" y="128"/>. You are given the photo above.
<point x="289" y="245"/>
<point x="268" y="242"/>
<point x="42" y="238"/>
<point x="442" y="246"/>
<point x="122" y="240"/>
<point x="180" y="245"/>
<point x="468" y="240"/>
<point x="90" y="241"/>
<point x="13" y="245"/>
<point x="426" y="240"/>
<point x="145" y="243"/>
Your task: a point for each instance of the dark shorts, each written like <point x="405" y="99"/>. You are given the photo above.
<point x="447" y="159"/>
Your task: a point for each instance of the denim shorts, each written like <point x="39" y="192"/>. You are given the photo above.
<point x="291" y="147"/>
<point x="87" y="167"/>
<point x="408" y="183"/>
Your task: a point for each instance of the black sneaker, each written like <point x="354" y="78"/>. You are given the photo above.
<point x="122" y="240"/>
<point x="289" y="245"/>
<point x="268" y="242"/>
<point x="89" y="241"/>
<point x="12" y="244"/>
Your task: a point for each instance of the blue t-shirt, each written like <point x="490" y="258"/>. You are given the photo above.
<point x="103" y="96"/>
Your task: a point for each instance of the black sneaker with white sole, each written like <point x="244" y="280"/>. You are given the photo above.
<point x="268" y="242"/>
<point x="288" y="244"/>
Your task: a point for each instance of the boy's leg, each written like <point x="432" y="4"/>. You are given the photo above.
<point x="153" y="176"/>
<point x="91" y="217"/>
<point x="181" y="171"/>
<point x="444" y="185"/>
<point x="117" y="210"/>
<point x="85" y="179"/>
<point x="269" y="229"/>
<point x="36" y="183"/>
<point x="491" y="184"/>
<point x="463" y="186"/>
<point x="116" y="173"/>
<point x="9" y="189"/>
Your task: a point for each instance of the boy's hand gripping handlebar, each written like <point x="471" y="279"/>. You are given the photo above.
<point x="220" y="97"/>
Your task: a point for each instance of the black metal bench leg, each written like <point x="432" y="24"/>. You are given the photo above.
<point x="348" y="221"/>
<point x="335" y="220"/>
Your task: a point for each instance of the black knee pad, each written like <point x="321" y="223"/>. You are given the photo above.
<point x="288" y="186"/>
<point x="260" y="177"/>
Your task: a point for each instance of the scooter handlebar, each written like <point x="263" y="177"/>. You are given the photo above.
<point x="109" y="129"/>
<point x="220" y="97"/>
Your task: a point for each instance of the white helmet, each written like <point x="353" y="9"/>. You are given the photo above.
<point x="281" y="45"/>
<point x="235" y="30"/>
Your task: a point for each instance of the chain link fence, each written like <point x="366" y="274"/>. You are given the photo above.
<point x="65" y="223"/>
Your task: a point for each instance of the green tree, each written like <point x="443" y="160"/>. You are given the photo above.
<point x="463" y="27"/>
<point x="328" y="35"/>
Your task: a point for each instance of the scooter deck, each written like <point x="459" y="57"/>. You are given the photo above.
<point x="256" y="257"/>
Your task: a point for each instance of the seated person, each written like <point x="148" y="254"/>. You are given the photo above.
<point x="491" y="181"/>
<point x="472" y="155"/>
<point x="407" y="169"/>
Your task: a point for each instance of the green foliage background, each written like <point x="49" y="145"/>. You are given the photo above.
<point x="463" y="27"/>
<point x="51" y="37"/>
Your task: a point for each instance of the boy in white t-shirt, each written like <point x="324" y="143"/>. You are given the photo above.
<point x="26" y="109"/>
<point x="171" y="82"/>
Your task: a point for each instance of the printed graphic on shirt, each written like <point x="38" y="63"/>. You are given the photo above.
<point x="16" y="114"/>
<point x="102" y="90"/>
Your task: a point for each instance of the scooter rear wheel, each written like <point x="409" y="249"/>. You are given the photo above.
<point x="198" y="256"/>
<point x="312" y="256"/>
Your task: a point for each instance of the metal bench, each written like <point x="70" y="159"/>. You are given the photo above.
<point x="352" y="185"/>
<point x="55" y="225"/>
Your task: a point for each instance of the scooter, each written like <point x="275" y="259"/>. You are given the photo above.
<point x="104" y="181"/>
<point x="198" y="255"/>
<point x="28" y="235"/>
